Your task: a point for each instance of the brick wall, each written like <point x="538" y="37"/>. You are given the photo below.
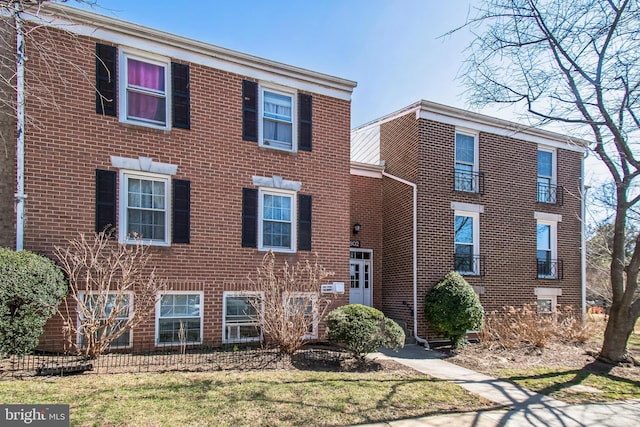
<point x="399" y="147"/>
<point x="7" y="139"/>
<point x="366" y="202"/>
<point x="72" y="141"/>
<point x="507" y="226"/>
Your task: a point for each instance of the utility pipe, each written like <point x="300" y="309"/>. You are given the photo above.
<point x="415" y="256"/>
<point x="20" y="60"/>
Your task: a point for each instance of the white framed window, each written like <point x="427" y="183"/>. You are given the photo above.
<point x="179" y="318"/>
<point x="277" y="220"/>
<point x="546" y="183"/>
<point x="145" y="207"/>
<point x="547" y="299"/>
<point x="304" y="301"/>
<point x="466" y="162"/>
<point x="144" y="89"/>
<point x="240" y="321"/>
<point x="547" y="249"/>
<point x="278" y="110"/>
<point x="467" y="242"/>
<point x="103" y="307"/>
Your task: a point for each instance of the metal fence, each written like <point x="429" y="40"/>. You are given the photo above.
<point x="153" y="359"/>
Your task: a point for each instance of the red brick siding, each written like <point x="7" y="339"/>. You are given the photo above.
<point x="507" y="226"/>
<point x="366" y="203"/>
<point x="399" y="148"/>
<point x="72" y="141"/>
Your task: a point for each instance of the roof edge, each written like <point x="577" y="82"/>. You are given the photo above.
<point x="106" y="23"/>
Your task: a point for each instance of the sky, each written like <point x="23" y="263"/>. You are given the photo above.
<point x="393" y="49"/>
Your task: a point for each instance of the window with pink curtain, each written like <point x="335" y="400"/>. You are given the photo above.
<point x="146" y="95"/>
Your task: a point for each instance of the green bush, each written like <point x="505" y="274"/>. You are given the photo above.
<point x="363" y="330"/>
<point x="31" y="287"/>
<point x="453" y="308"/>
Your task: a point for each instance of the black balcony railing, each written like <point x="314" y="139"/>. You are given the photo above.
<point x="550" y="193"/>
<point x="550" y="269"/>
<point x="470" y="182"/>
<point x="469" y="265"/>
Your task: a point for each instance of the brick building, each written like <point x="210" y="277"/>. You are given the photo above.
<point x="212" y="155"/>
<point x="498" y="202"/>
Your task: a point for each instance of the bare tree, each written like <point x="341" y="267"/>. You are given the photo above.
<point x="577" y="64"/>
<point x="291" y="304"/>
<point x="112" y="289"/>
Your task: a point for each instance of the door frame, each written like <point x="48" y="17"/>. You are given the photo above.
<point x="366" y="263"/>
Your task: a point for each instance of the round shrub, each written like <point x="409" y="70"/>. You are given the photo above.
<point x="31" y="287"/>
<point x="363" y="330"/>
<point x="453" y="308"/>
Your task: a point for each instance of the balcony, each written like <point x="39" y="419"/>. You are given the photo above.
<point x="550" y="193"/>
<point x="469" y="265"/>
<point x="550" y="269"/>
<point x="468" y="181"/>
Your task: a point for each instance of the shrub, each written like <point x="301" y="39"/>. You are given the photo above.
<point x="31" y="287"/>
<point x="452" y="307"/>
<point x="291" y="303"/>
<point x="363" y="330"/>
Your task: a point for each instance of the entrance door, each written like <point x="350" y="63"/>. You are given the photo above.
<point x="360" y="278"/>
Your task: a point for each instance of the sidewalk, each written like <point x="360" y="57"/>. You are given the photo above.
<point x="524" y="408"/>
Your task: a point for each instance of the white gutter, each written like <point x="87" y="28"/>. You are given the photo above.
<point x="415" y="256"/>
<point x="20" y="60"/>
<point x="583" y="243"/>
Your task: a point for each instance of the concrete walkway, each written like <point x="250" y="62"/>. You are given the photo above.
<point x="523" y="407"/>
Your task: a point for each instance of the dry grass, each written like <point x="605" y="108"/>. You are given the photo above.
<point x="516" y="327"/>
<point x="554" y="363"/>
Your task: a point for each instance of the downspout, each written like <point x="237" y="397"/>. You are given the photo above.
<point x="583" y="243"/>
<point x="20" y="60"/>
<point x="415" y="256"/>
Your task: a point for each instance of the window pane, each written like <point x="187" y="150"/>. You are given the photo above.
<point x="545" y="305"/>
<point x="464" y="148"/>
<point x="277" y="106"/>
<point x="145" y="75"/>
<point x="240" y="310"/>
<point x="278" y="132"/>
<point x="545" y="163"/>
<point x="543" y="237"/>
<point x="463" y="229"/>
<point x="146" y="107"/>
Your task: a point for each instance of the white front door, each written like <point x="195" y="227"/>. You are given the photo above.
<point x="360" y="278"/>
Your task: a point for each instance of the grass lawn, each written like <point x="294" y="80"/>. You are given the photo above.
<point x="594" y="383"/>
<point x="275" y="398"/>
<point x="575" y="385"/>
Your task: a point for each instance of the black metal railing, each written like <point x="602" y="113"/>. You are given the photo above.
<point x="470" y="182"/>
<point x="550" y="193"/>
<point x="469" y="265"/>
<point x="147" y="357"/>
<point x="550" y="269"/>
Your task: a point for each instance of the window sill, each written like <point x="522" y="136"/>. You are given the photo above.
<point x="145" y="242"/>
<point x="277" y="250"/>
<point x="176" y="344"/>
<point x="137" y="125"/>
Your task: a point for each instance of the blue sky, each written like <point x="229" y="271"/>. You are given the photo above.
<point x="391" y="48"/>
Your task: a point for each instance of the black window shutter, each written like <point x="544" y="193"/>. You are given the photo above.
<point x="249" y="110"/>
<point x="105" y="200"/>
<point x="181" y="211"/>
<point x="180" y="99"/>
<point x="304" y="121"/>
<point x="304" y="222"/>
<point x="106" y="79"/>
<point x="249" y="218"/>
